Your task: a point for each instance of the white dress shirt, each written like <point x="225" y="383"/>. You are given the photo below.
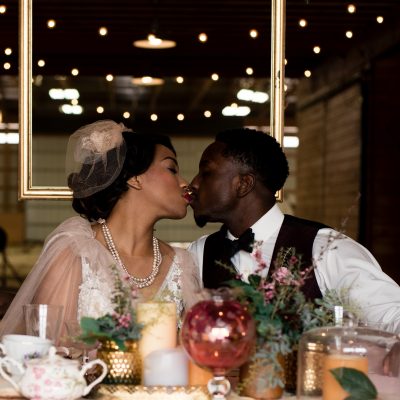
<point x="341" y="264"/>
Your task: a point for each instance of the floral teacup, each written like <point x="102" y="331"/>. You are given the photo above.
<point x="24" y="347"/>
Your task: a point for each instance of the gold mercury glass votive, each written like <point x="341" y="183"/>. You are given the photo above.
<point x="311" y="371"/>
<point x="124" y="367"/>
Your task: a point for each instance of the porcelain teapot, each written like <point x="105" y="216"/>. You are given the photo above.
<point x="51" y="377"/>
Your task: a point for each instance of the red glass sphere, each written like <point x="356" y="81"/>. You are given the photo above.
<point x="218" y="334"/>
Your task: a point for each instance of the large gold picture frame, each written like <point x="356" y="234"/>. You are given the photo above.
<point x="26" y="188"/>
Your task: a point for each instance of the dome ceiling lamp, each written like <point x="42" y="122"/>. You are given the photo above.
<point x="153" y="40"/>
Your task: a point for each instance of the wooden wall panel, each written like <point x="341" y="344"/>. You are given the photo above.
<point x="329" y="159"/>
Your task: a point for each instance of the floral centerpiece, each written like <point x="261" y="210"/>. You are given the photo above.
<point x="119" y="326"/>
<point x="281" y="310"/>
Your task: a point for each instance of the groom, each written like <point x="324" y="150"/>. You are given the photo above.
<point x="239" y="174"/>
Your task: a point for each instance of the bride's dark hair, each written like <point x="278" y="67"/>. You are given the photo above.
<point x="140" y="150"/>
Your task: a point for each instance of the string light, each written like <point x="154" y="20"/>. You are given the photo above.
<point x="7" y="51"/>
<point x="253" y="33"/>
<point x="303" y="23"/>
<point x="317" y="49"/>
<point x="41" y="63"/>
<point x="75" y="71"/>
<point x="379" y="19"/>
<point x="180" y="117"/>
<point x="109" y="77"/>
<point x="307" y="73"/>
<point x="7" y="65"/>
<point x="100" y="110"/>
<point x="351" y="8"/>
<point x="207" y="114"/>
<point x="126" y="114"/>
<point x="203" y="37"/>
<point x="214" y="77"/>
<point x="179" y="79"/>
<point x="154" y="117"/>
<point x="3" y="9"/>
<point x="103" y="31"/>
<point x="249" y="71"/>
<point x="349" y="34"/>
<point x="51" y="23"/>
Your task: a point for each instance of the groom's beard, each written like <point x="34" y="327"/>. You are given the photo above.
<point x="201" y="221"/>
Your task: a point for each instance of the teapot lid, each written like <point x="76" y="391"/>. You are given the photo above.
<point x="53" y="359"/>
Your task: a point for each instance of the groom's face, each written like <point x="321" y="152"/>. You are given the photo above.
<point x="214" y="186"/>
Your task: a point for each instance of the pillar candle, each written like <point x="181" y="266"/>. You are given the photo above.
<point x="167" y="367"/>
<point x="160" y="326"/>
<point x="331" y="389"/>
<point x="198" y="376"/>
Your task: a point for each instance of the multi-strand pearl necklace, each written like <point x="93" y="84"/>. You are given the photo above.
<point x="157" y="258"/>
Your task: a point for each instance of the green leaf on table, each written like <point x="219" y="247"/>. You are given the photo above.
<point x="356" y="383"/>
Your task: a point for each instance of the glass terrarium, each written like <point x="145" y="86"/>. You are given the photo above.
<point x="330" y="353"/>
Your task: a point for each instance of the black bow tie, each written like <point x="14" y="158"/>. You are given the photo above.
<point x="244" y="242"/>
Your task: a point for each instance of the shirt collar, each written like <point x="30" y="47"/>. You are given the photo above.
<point x="266" y="225"/>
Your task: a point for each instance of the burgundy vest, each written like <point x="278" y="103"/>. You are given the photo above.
<point x="295" y="232"/>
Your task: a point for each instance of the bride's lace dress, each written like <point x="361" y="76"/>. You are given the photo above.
<point x="74" y="270"/>
<point x="96" y="292"/>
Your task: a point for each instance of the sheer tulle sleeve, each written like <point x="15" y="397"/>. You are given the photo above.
<point x="57" y="275"/>
<point x="191" y="283"/>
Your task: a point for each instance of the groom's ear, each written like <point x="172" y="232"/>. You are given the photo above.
<point x="246" y="184"/>
<point x="135" y="183"/>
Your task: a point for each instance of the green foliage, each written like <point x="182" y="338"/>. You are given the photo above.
<point x="279" y="307"/>
<point x="356" y="383"/>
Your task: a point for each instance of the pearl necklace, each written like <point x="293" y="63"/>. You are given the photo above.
<point x="157" y="258"/>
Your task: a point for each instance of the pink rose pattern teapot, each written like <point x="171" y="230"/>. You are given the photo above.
<point x="51" y="377"/>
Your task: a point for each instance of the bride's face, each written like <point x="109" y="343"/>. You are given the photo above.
<point x="163" y="186"/>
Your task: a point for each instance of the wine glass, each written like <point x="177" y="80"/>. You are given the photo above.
<point x="74" y="331"/>
<point x="218" y="334"/>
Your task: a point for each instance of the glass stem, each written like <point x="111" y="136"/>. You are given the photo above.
<point x="219" y="387"/>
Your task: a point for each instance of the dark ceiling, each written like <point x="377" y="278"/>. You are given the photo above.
<point x="229" y="50"/>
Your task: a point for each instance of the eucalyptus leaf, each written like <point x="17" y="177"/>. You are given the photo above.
<point x="89" y="325"/>
<point x="356" y="383"/>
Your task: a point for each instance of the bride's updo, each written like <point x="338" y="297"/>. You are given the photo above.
<point x="101" y="158"/>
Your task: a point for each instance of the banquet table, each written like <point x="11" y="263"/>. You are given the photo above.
<point x="8" y="392"/>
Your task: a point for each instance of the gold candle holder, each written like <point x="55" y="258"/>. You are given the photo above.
<point x="124" y="367"/>
<point x="310" y="374"/>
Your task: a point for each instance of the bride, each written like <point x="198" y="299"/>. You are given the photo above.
<point x="123" y="183"/>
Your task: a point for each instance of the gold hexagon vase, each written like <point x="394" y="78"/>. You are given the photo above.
<point x="124" y="367"/>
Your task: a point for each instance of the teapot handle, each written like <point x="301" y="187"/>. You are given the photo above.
<point x="9" y="360"/>
<point x="89" y="365"/>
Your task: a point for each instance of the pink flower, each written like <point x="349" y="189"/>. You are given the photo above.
<point x="269" y="291"/>
<point x="293" y="260"/>
<point x="124" y="320"/>
<point x="282" y="275"/>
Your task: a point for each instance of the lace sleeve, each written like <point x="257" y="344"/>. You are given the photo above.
<point x="191" y="283"/>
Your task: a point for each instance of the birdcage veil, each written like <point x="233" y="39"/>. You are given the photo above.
<point x="95" y="156"/>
